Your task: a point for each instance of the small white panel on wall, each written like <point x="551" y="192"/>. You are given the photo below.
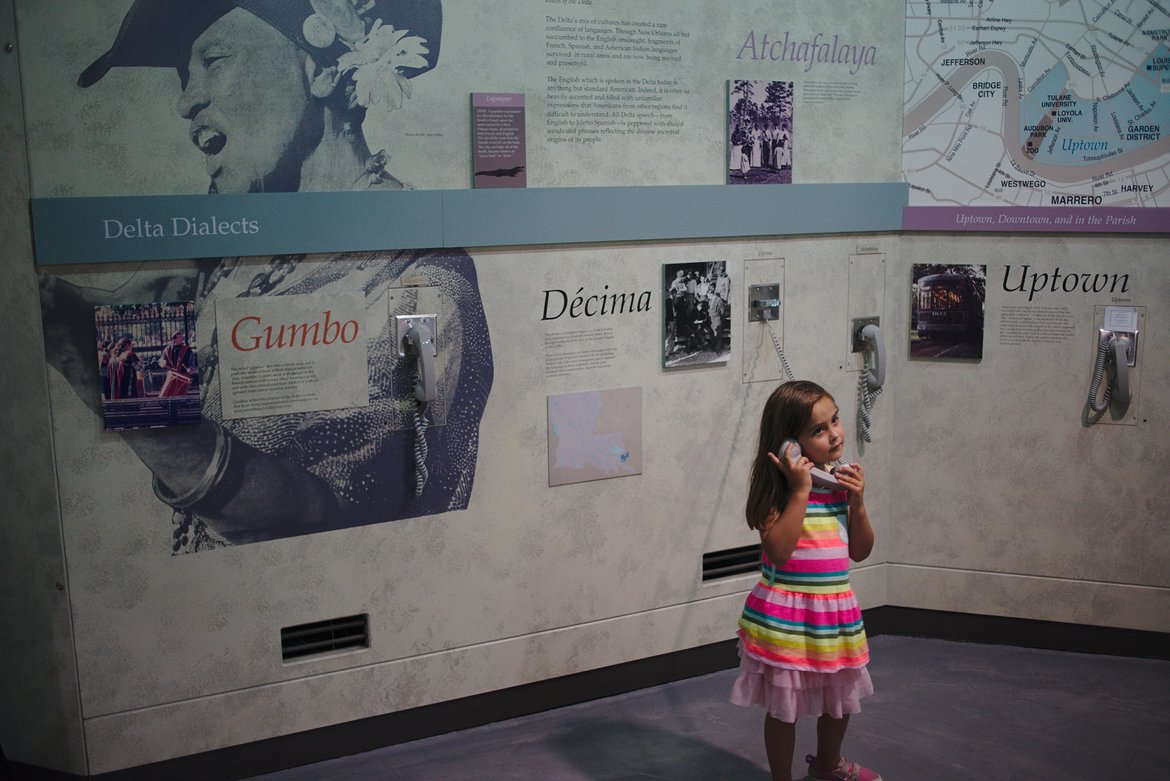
<point x="867" y="299"/>
<point x="763" y="338"/>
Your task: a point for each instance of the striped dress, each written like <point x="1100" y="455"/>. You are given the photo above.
<point x="802" y="642"/>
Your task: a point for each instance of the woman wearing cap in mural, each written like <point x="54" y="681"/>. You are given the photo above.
<point x="275" y="92"/>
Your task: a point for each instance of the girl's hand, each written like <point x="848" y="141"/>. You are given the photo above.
<point x="852" y="476"/>
<point x="797" y="471"/>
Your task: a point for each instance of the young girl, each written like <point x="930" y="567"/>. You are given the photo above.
<point x="802" y="643"/>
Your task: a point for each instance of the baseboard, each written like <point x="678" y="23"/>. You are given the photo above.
<point x="1021" y="632"/>
<point x="267" y="756"/>
<point x="317" y="745"/>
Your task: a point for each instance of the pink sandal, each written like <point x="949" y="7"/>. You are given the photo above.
<point x="845" y="771"/>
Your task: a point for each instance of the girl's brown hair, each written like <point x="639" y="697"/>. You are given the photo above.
<point x="786" y="413"/>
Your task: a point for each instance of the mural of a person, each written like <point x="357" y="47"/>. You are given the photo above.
<point x="275" y="92"/>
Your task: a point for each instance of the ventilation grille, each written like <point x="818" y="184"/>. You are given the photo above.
<point x="325" y="637"/>
<point x="733" y="561"/>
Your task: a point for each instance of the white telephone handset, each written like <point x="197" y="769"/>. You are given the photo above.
<point x="416" y="339"/>
<point x="875" y="378"/>
<point x="868" y="339"/>
<point x="1112" y="348"/>
<point x="420" y="342"/>
<point x="820" y="477"/>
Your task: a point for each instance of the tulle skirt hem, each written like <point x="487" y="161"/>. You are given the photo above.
<point x="789" y="694"/>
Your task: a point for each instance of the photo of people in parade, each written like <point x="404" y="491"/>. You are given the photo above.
<point x="696" y="313"/>
<point x="759" y="132"/>
<point x="147" y="365"/>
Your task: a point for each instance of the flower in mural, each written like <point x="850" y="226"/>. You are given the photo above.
<point x="377" y="62"/>
<point x="377" y="52"/>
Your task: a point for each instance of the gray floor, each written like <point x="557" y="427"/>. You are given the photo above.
<point x="942" y="711"/>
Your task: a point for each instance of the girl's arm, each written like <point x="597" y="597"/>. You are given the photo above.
<point x="781" y="531"/>
<point x="861" y="535"/>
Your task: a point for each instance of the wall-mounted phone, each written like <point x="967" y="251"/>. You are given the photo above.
<point x="416" y="340"/>
<point x="763" y="302"/>
<point x="820" y="478"/>
<point x="1116" y="353"/>
<point x="764" y="307"/>
<point x="867" y="340"/>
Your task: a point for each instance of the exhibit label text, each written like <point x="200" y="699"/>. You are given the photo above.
<point x="557" y="302"/>
<point x="249" y="333"/>
<point x="819" y="49"/>
<point x="1056" y="282"/>
<point x="140" y="228"/>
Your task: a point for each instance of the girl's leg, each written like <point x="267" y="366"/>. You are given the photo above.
<point x="779" y="742"/>
<point x="830" y="735"/>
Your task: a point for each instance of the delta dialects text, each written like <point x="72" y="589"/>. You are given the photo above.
<point x="177" y="227"/>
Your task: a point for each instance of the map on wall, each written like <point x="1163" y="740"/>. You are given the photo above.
<point x="594" y="435"/>
<point x="1037" y="110"/>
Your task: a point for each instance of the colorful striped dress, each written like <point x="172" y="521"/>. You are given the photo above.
<point x="802" y="642"/>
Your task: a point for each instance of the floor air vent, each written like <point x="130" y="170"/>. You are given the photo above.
<point x="733" y="561"/>
<point x="325" y="637"/>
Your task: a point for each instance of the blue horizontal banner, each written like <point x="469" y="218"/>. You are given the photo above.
<point x="595" y="214"/>
<point x="112" y="229"/>
<point x="103" y="230"/>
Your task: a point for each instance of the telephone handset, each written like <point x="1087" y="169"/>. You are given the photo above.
<point x="419" y="342"/>
<point x="416" y="339"/>
<point x="1116" y="347"/>
<point x="871" y="335"/>
<point x="867" y="339"/>
<point x="820" y="477"/>
<point x="1112" y="349"/>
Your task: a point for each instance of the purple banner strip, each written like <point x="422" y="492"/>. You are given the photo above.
<point x="1046" y="219"/>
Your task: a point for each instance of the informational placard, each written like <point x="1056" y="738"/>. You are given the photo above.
<point x="497" y="139"/>
<point x="129" y="161"/>
<point x="286" y="354"/>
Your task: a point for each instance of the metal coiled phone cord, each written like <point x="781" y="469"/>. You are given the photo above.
<point x="865" y="399"/>
<point x="776" y="344"/>
<point x="420" y="447"/>
<point x="1099" y="374"/>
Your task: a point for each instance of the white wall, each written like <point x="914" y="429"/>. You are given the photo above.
<point x="1007" y="503"/>
<point x="41" y="716"/>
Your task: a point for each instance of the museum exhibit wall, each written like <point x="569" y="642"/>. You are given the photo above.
<point x="990" y="492"/>
<point x="1035" y="514"/>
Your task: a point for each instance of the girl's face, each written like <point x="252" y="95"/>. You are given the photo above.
<point x="823" y="438"/>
